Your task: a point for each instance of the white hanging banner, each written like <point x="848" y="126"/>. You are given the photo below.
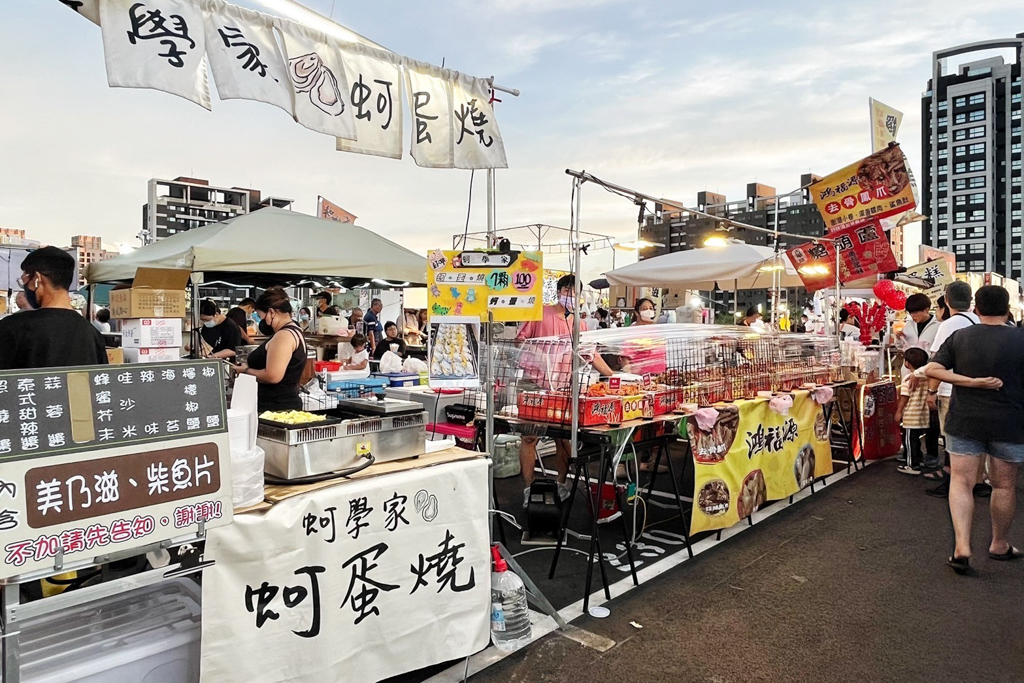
<point x="476" y="139"/>
<point x="90" y="9"/>
<point x="376" y="97"/>
<point x="244" y="55"/>
<point x="156" y="44"/>
<point x="430" y="105"/>
<point x="358" y="582"/>
<point x="317" y="75"/>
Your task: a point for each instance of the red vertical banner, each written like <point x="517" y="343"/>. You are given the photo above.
<point x="863" y="250"/>
<point x="879" y="434"/>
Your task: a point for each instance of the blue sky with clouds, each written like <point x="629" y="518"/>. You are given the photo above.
<point x="667" y="97"/>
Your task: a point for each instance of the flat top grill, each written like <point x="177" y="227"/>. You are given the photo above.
<point x="351" y="424"/>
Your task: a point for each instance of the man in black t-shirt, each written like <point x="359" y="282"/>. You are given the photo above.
<point x="219" y="331"/>
<point x="985" y="365"/>
<point x="54" y="334"/>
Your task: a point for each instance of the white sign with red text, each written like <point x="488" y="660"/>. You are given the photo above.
<point x="357" y="582"/>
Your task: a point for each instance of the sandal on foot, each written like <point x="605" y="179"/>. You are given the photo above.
<point x="1011" y="554"/>
<point x="961" y="565"/>
<point x="937" y="475"/>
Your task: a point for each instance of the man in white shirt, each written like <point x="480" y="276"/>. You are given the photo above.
<point x="958" y="302"/>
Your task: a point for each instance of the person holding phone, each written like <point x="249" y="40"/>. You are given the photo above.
<point x="278" y="363"/>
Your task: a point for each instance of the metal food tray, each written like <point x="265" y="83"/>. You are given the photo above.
<point x="328" y="420"/>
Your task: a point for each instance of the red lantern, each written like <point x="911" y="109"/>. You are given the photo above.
<point x="884" y="289"/>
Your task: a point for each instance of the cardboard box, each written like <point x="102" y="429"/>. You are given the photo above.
<point x="151" y="355"/>
<point x="155" y="293"/>
<point x="115" y="357"/>
<point x="151" y="333"/>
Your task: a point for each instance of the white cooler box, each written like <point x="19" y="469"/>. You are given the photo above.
<point x="432" y="401"/>
<point x="149" y="635"/>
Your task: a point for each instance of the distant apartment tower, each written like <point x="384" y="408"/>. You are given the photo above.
<point x="182" y="204"/>
<point x="16" y="237"/>
<point x="763" y="207"/>
<point x="971" y="143"/>
<point x="90" y="250"/>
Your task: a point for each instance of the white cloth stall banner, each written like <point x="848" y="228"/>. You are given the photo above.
<point x="477" y="141"/>
<point x="156" y="44"/>
<point x="90" y="9"/>
<point x="376" y="98"/>
<point x="244" y="55"/>
<point x="357" y="582"/>
<point x="430" y="105"/>
<point x="317" y="76"/>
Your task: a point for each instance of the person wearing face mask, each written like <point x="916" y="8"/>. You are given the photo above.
<point x="278" y="363"/>
<point x="304" y="317"/>
<point x="50" y="334"/>
<point x="219" y="333"/>
<point x="645" y="313"/>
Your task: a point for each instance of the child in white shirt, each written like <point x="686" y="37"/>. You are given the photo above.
<point x="360" y="359"/>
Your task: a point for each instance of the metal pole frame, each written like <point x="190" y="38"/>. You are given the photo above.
<point x="578" y="286"/>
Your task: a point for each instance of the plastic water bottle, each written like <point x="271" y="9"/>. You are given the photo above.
<point x="510" y="613"/>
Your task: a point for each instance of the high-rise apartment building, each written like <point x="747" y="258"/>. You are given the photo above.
<point x="182" y="204"/>
<point x="763" y="207"/>
<point x="971" y="143"/>
<point x="90" y="250"/>
<point x="16" y="237"/>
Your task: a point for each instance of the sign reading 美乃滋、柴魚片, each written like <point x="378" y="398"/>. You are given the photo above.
<point x="874" y="187"/>
<point x="754" y="454"/>
<point x="103" y="459"/>
<point x="863" y="250"/>
<point x="358" y="582"/>
<point x="353" y="91"/>
<point x="471" y="283"/>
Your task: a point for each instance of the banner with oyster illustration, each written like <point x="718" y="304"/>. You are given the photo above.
<point x="874" y="187"/>
<point x="753" y="454"/>
<point x="352" y="91"/>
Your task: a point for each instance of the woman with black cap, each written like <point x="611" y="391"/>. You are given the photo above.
<point x="278" y="363"/>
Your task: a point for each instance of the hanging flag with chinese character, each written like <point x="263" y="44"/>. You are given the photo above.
<point x="156" y="44"/>
<point x="885" y="123"/>
<point x="90" y="9"/>
<point x="319" y="84"/>
<point x="332" y="212"/>
<point x="863" y="250"/>
<point x="245" y="59"/>
<point x="874" y="187"/>
<point x="430" y="104"/>
<point x="476" y="138"/>
<point x="376" y="97"/>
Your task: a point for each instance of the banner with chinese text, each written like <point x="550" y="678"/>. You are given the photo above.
<point x="863" y="250"/>
<point x="930" y="277"/>
<point x="95" y="460"/>
<point x="885" y="124"/>
<point x="878" y="434"/>
<point x="353" y="91"/>
<point x="753" y="455"/>
<point x="469" y="283"/>
<point x="874" y="187"/>
<point x="360" y="582"/>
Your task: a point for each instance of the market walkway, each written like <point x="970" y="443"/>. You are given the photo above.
<point x="850" y="585"/>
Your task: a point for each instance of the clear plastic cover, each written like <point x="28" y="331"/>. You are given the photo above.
<point x="643" y="371"/>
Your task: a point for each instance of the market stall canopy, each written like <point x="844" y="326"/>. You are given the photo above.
<point x="745" y="266"/>
<point x="274" y="246"/>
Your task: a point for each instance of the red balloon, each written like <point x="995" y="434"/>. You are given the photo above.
<point x="883" y="289"/>
<point x="898" y="300"/>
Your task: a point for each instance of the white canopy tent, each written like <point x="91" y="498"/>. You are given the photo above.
<point x="733" y="266"/>
<point x="274" y="244"/>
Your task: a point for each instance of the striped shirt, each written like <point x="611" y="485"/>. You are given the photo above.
<point x="915" y="413"/>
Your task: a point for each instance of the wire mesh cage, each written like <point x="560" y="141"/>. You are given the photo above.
<point x="641" y="372"/>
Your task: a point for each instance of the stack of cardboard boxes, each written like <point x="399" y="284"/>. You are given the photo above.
<point x="151" y="311"/>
